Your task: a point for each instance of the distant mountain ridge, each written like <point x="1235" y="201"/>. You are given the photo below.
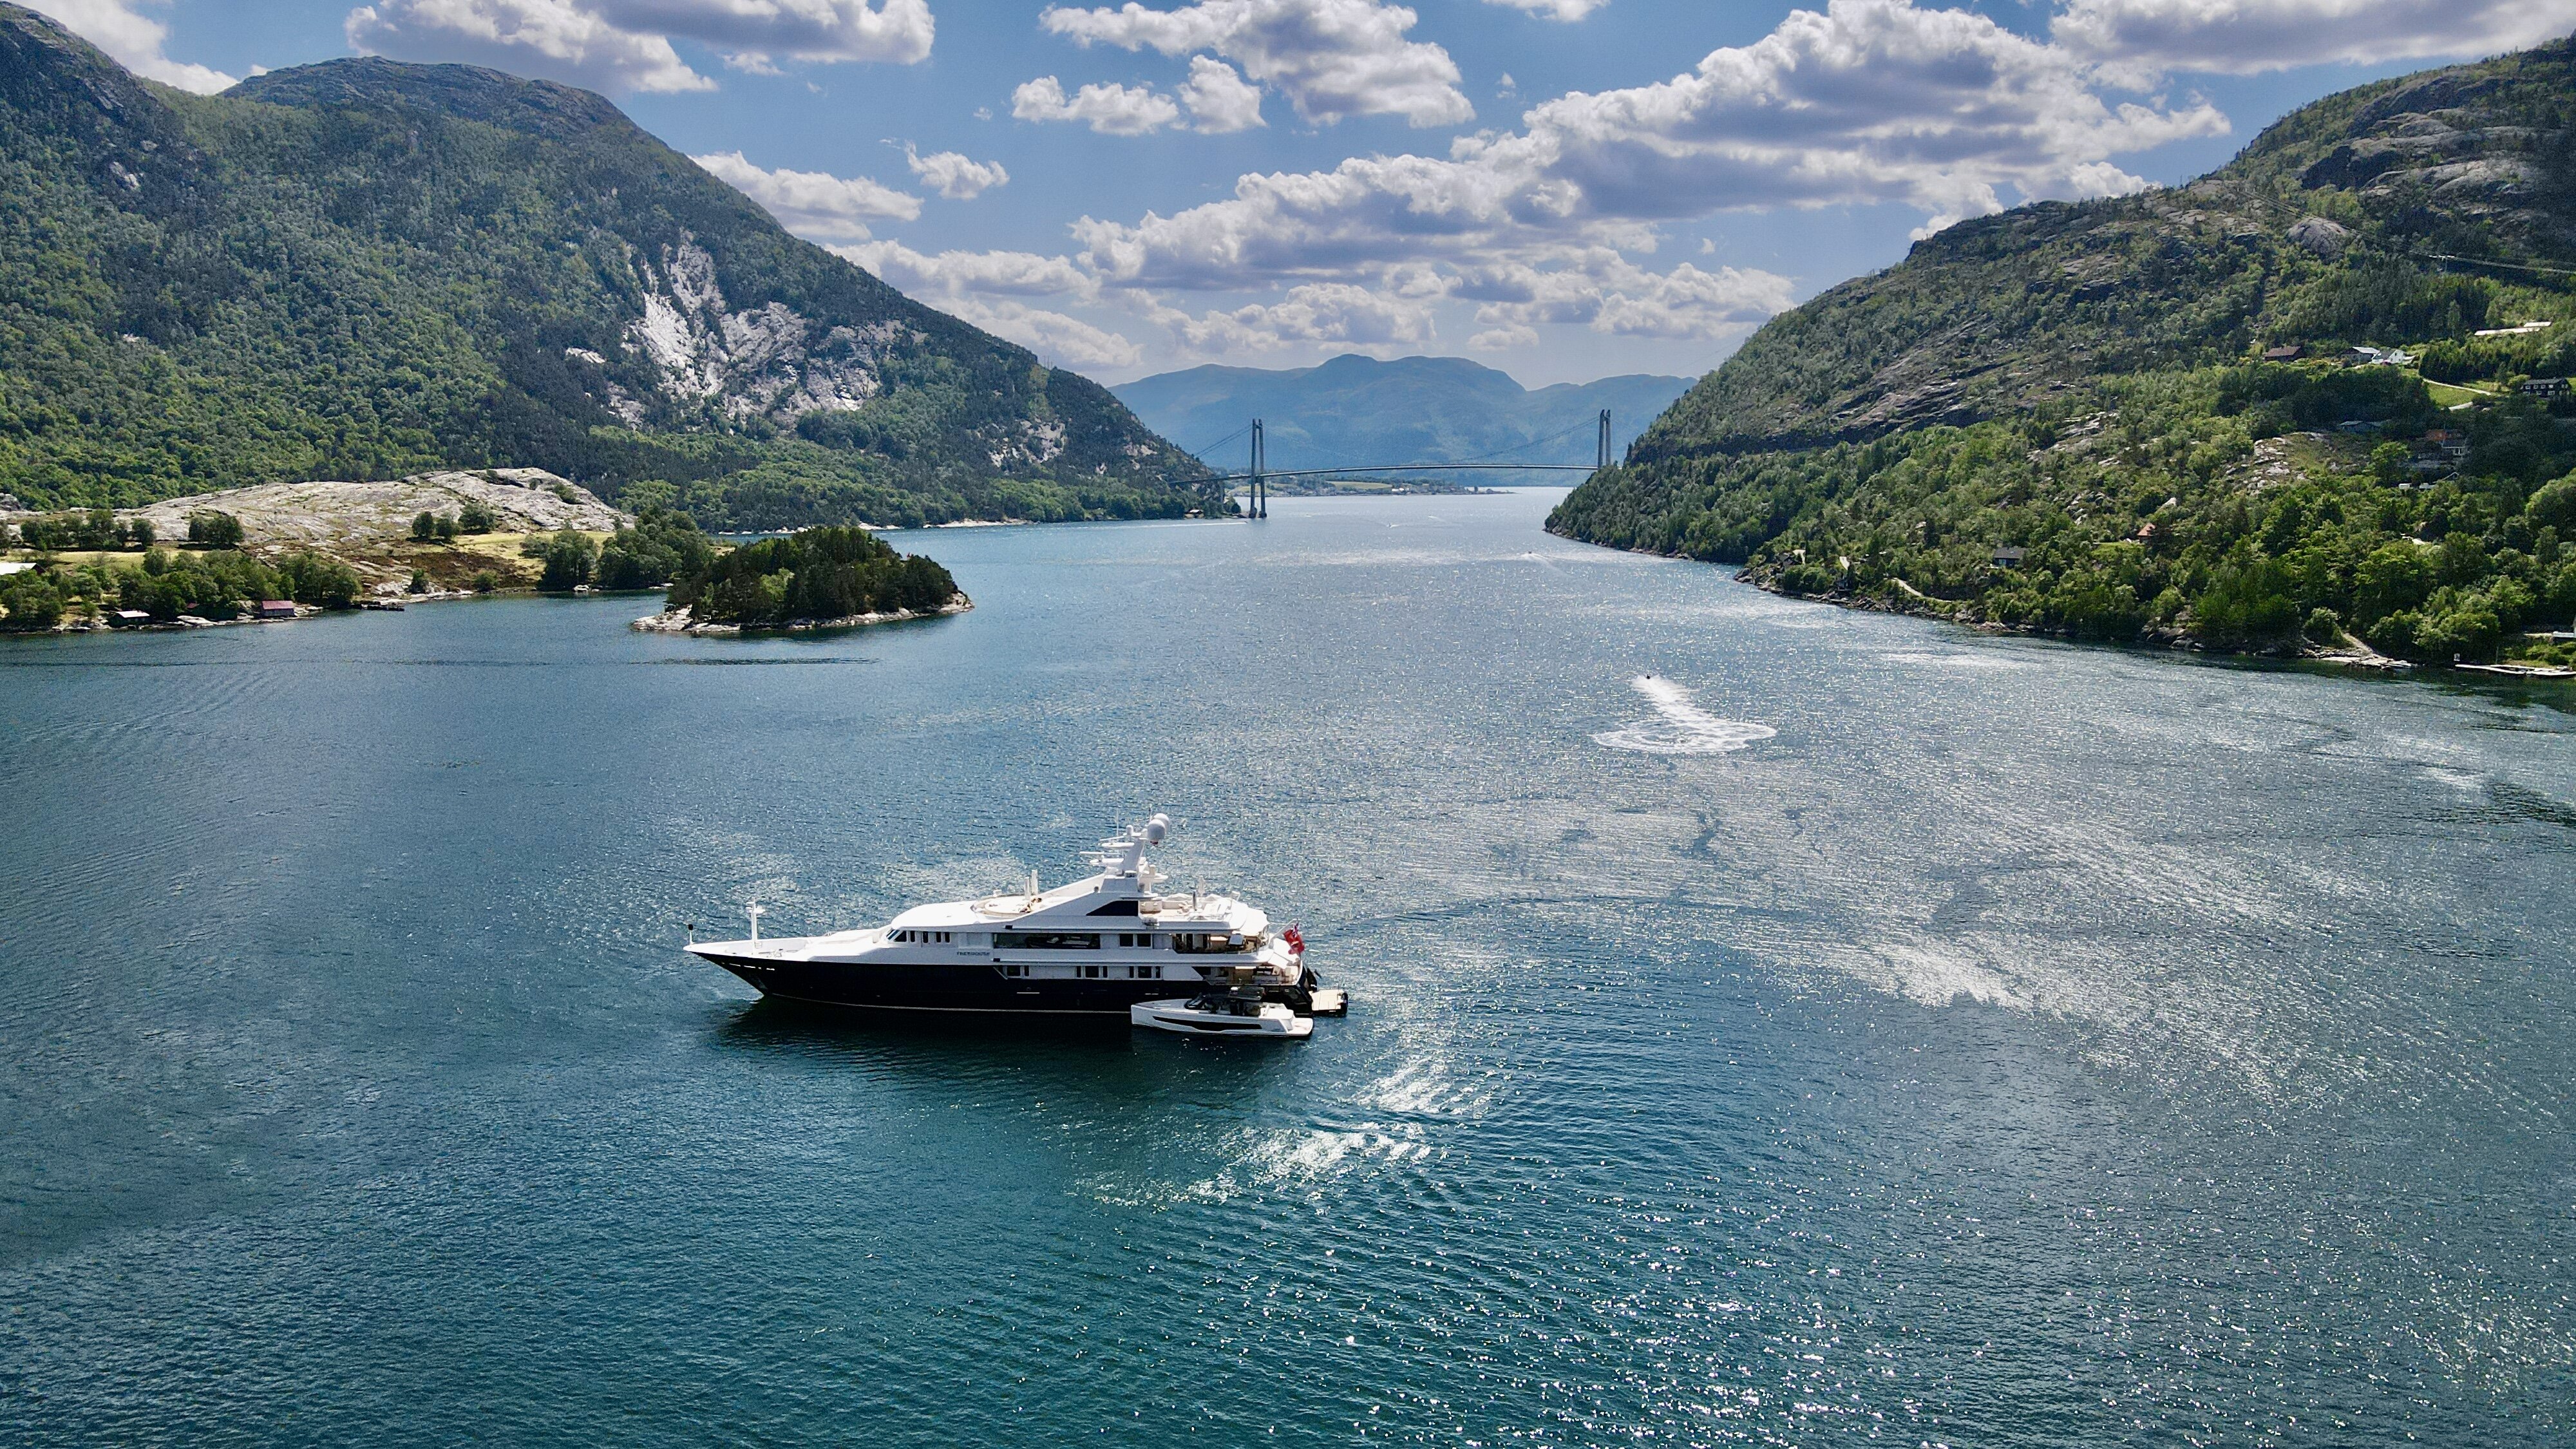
<point x="364" y="269"/>
<point x="1356" y="410"/>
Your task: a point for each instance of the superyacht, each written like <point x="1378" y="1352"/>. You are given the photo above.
<point x="1094" y="948"/>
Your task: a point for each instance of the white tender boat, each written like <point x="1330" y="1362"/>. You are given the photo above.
<point x="1232" y="1006"/>
<point x="1094" y="948"/>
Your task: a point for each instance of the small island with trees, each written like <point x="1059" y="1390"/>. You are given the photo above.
<point x="818" y="578"/>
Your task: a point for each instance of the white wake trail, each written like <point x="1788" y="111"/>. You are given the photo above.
<point x="1683" y="727"/>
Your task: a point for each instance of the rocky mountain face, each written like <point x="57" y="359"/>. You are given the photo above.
<point x="1996" y="315"/>
<point x="365" y="269"/>
<point x="2246" y="412"/>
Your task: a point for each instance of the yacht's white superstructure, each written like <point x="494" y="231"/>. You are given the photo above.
<point x="1094" y="947"/>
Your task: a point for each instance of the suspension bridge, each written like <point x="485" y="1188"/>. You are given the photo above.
<point x="1256" y="477"/>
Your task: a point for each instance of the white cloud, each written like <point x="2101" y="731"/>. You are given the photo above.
<point x="1504" y="339"/>
<point x="813" y="203"/>
<point x="1568" y="10"/>
<point x="1218" y="99"/>
<point x="2139" y="39"/>
<point x="1872" y="101"/>
<point x="1341" y="314"/>
<point x="1608" y="293"/>
<point x="557" y="38"/>
<point x="1330" y="58"/>
<point x="953" y="175"/>
<point x="1111" y="110"/>
<point x="1059" y="339"/>
<point x="625" y="45"/>
<point x="135" y="40"/>
<point x="959" y="274"/>
<point x="984" y="287"/>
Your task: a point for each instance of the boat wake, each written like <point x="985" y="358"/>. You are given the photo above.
<point x="1682" y="728"/>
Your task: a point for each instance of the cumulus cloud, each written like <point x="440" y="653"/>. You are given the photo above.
<point x="1341" y="314"/>
<point x="1872" y="101"/>
<point x="1218" y="99"/>
<point x="1605" y="291"/>
<point x="953" y="175"/>
<point x="1059" y="339"/>
<point x="985" y="287"/>
<point x="625" y="45"/>
<point x="960" y="274"/>
<point x="2139" y="39"/>
<point x="813" y="203"/>
<point x="136" y="41"/>
<point x="1111" y="110"/>
<point x="1330" y="58"/>
<point x="1568" y="10"/>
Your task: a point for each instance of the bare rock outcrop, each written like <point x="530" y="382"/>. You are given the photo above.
<point x="345" y="517"/>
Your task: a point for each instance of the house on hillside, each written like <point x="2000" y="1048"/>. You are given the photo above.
<point x="2544" y="387"/>
<point x="2010" y="558"/>
<point x="2286" y="353"/>
<point x="274" y="609"/>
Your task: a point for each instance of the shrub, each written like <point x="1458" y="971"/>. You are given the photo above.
<point x="569" y="557"/>
<point x="310" y="578"/>
<point x="214" y="529"/>
<point x="33" y="603"/>
<point x="474" y="517"/>
<point x="485" y="581"/>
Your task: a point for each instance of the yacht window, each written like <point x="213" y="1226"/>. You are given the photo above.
<point x="1146" y="973"/>
<point x="1093" y="970"/>
<point x="1046" y="940"/>
<point x="1015" y="971"/>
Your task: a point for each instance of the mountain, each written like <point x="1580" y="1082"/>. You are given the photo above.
<point x="1355" y="410"/>
<point x="2063" y="417"/>
<point x="361" y="269"/>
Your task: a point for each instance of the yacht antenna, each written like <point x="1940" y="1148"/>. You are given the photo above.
<point x="692" y="928"/>
<point x="755" y="910"/>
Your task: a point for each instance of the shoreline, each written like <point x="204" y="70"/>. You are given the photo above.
<point x="2360" y="658"/>
<point x="677" y="621"/>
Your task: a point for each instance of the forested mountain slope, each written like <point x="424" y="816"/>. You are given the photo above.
<point x="2084" y="383"/>
<point x="362" y="269"/>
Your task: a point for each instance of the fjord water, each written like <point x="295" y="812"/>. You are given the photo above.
<point x="1858" y="1030"/>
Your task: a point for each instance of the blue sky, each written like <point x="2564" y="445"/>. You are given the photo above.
<point x="1561" y="188"/>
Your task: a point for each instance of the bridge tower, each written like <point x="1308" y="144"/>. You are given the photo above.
<point x="1256" y="499"/>
<point x="1601" y="455"/>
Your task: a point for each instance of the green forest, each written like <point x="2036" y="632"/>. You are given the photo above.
<point x="2154" y="418"/>
<point x="363" y="270"/>
<point x="813" y="575"/>
<point x="214" y="585"/>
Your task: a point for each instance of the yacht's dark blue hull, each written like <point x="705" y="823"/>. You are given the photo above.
<point x="965" y="987"/>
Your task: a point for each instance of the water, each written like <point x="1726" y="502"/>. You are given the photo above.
<point x="1770" y="1024"/>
